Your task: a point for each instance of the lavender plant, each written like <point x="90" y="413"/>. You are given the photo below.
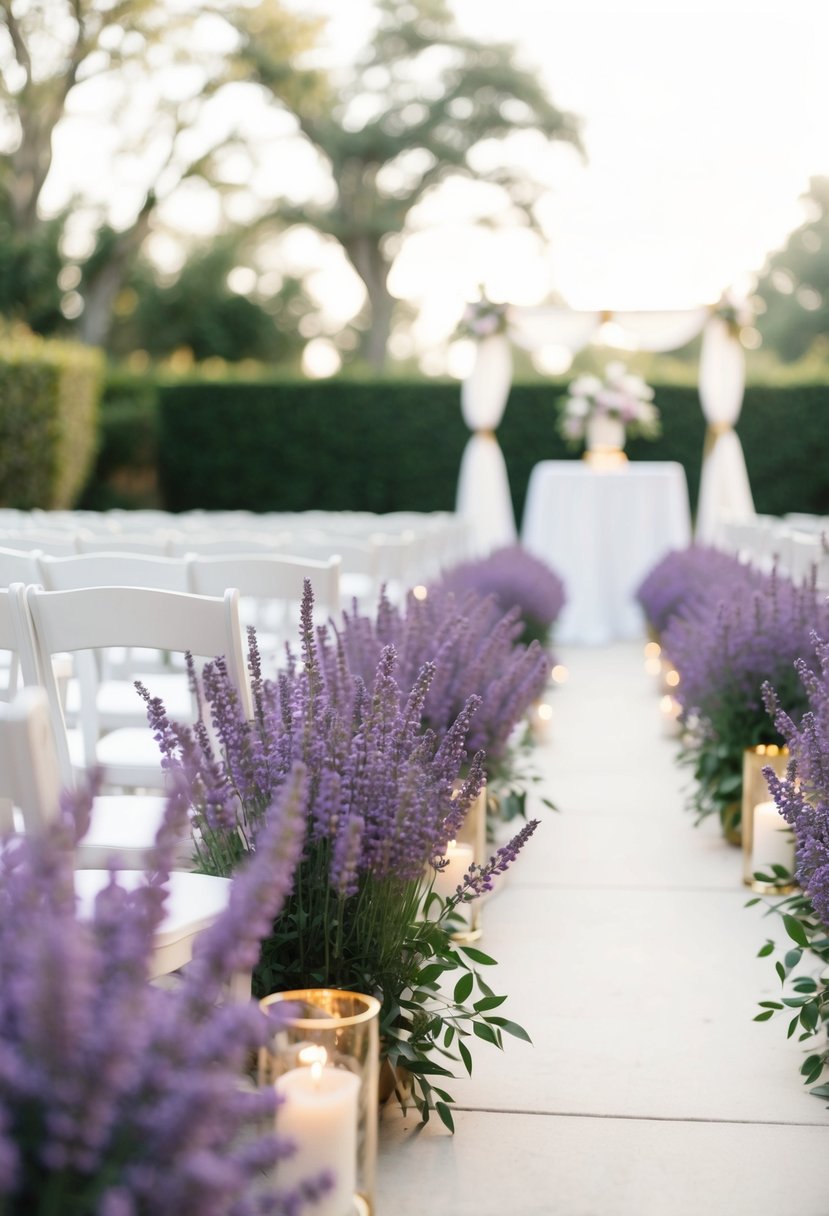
<point x="476" y="651"/>
<point x="515" y="579"/>
<point x="725" y="653"/>
<point x="385" y="797"/>
<point x="119" y="1097"/>
<point x="802" y="798"/>
<point x="687" y="581"/>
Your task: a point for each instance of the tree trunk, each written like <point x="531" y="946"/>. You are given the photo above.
<point x="102" y="290"/>
<point x="366" y="257"/>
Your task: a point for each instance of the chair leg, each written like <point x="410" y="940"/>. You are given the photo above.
<point x="240" y="987"/>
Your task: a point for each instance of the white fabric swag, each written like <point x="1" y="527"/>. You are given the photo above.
<point x="483" y="491"/>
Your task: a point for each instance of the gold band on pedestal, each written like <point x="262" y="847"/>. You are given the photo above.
<point x="713" y="432"/>
<point x="485" y="434"/>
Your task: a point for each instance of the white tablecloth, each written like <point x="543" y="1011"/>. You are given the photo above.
<point x="602" y="531"/>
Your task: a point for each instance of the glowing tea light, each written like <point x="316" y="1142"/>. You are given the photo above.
<point x="670" y="710"/>
<point x="672" y="678"/>
<point x="559" y="674"/>
<point x="653" y="667"/>
<point x="318" y="1114"/>
<point x="459" y="857"/>
<point x="420" y="592"/>
<point x="541" y="720"/>
<point x="772" y="843"/>
<point x="652" y="650"/>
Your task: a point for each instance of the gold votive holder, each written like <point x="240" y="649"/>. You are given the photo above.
<point x="323" y="1059"/>
<point x="756" y="794"/>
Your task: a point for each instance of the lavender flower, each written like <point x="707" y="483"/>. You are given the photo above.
<point x="725" y="654"/>
<point x="475" y="654"/>
<point x="802" y="796"/>
<point x="117" y="1096"/>
<point x="686" y="582"/>
<point x="516" y="579"/>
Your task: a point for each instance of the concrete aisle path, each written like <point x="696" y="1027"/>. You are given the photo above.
<point x="624" y="944"/>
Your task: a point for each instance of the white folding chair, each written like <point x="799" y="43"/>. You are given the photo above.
<point x="117" y="701"/>
<point x="86" y="620"/>
<point x="29" y="779"/>
<point x="155" y="544"/>
<point x="122" y="827"/>
<point x="271" y="586"/>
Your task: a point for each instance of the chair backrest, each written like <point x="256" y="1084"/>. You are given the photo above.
<point x="155" y="544"/>
<point x="267" y="576"/>
<point x="224" y="543"/>
<point x="110" y="570"/>
<point x="89" y="619"/>
<point x="29" y="771"/>
<point x="18" y="566"/>
<point x="271" y="588"/>
<point x="29" y="539"/>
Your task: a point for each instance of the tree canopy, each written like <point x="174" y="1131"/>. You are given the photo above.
<point x="410" y="114"/>
<point x="794" y="287"/>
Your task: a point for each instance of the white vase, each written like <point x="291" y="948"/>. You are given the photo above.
<point x="605" y="434"/>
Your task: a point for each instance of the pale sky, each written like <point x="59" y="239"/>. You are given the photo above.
<point x="701" y="126"/>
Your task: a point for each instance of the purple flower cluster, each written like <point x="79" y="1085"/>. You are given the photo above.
<point x="474" y="654"/>
<point x="802" y="796"/>
<point x="686" y="581"/>
<point x="383" y="794"/>
<point x="729" y="649"/>
<point x="516" y="579"/>
<point x="119" y="1097"/>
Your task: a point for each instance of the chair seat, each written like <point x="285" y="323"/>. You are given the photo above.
<point x="194" y="901"/>
<point x="127" y="757"/>
<point x="119" y="703"/>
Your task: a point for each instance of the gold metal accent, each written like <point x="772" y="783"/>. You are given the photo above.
<point x="713" y="432"/>
<point x="755" y="789"/>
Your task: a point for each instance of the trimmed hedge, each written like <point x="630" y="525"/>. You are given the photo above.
<point x="48" y="420"/>
<point x="383" y="446"/>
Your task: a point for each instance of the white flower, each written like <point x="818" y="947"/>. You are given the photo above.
<point x="578" y="407"/>
<point x="585" y="386"/>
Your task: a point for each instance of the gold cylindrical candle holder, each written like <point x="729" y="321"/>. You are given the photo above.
<point x="756" y="793"/>
<point x="323" y="1059"/>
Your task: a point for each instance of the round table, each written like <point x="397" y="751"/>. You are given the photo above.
<point x="602" y="530"/>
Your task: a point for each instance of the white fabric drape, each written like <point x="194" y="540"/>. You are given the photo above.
<point x="483" y="489"/>
<point x="483" y="497"/>
<point x="724" y="490"/>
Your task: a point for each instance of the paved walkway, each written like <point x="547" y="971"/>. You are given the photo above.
<point x="627" y="951"/>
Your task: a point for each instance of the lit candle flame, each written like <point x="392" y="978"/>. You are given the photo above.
<point x="420" y="592"/>
<point x="672" y="678"/>
<point x="316" y="1058"/>
<point x="545" y="712"/>
<point x="560" y="674"/>
<point x="652" y="650"/>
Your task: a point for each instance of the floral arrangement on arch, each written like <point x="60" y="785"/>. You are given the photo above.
<point x="621" y="396"/>
<point x="482" y="318"/>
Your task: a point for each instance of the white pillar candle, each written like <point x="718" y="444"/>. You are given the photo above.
<point x="771" y="842"/>
<point x="445" y="882"/>
<point x="318" y="1113"/>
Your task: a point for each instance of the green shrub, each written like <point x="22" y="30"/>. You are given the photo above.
<point x="48" y="420"/>
<point x="125" y="473"/>
<point x="388" y="445"/>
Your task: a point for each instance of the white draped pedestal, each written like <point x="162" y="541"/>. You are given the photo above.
<point x="602" y="531"/>
<point x="724" y="490"/>
<point x="483" y="497"/>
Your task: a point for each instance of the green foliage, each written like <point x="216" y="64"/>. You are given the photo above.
<point x="805" y="994"/>
<point x="48" y="420"/>
<point x="389" y="143"/>
<point x="385" y="445"/>
<point x="794" y="288"/>
<point x="125" y="473"/>
<point x="199" y="312"/>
